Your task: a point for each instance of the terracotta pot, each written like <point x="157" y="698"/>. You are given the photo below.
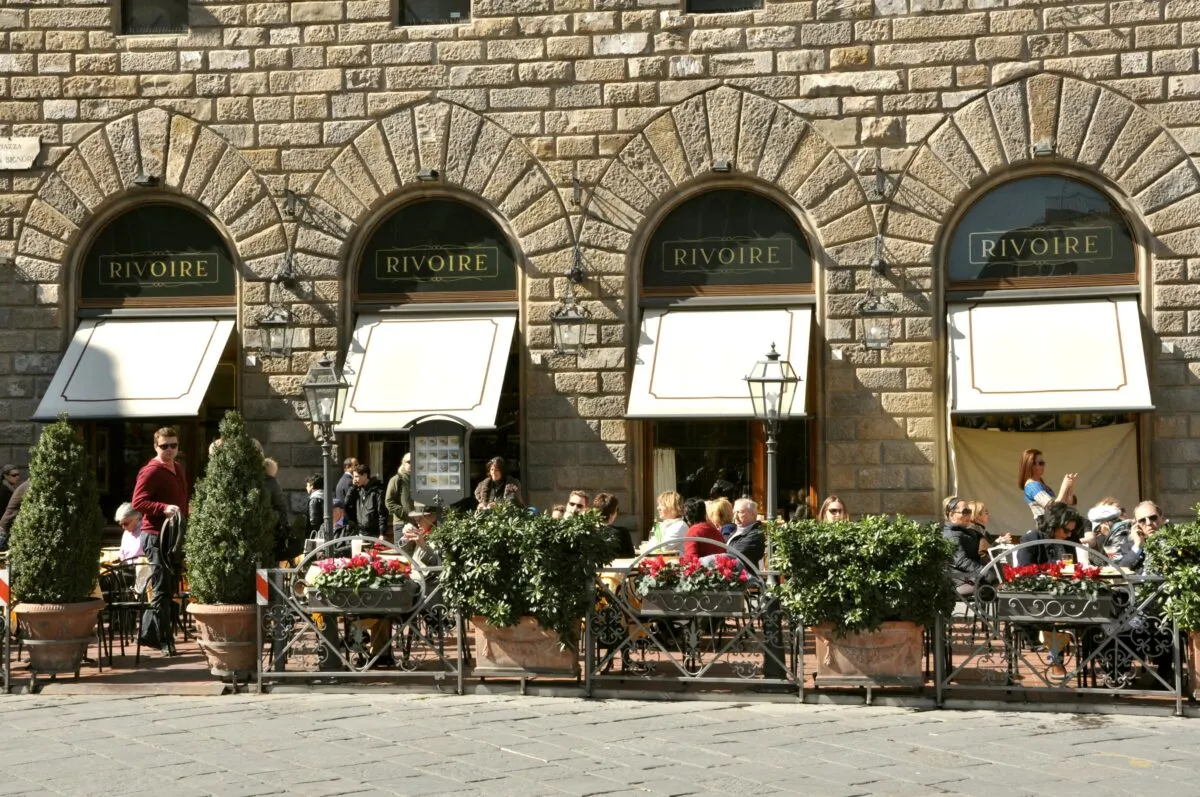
<point x="893" y="653"/>
<point x="524" y="647"/>
<point x="228" y="637"/>
<point x="57" y="635"/>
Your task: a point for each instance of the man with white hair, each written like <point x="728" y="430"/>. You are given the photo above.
<point x="747" y="538"/>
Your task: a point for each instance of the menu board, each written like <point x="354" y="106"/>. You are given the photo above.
<point x="438" y="464"/>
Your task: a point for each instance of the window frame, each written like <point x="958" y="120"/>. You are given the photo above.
<point x="118" y="20"/>
<point x="1062" y="285"/>
<point x="397" y="10"/>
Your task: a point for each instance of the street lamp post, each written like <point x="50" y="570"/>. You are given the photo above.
<point x="325" y="390"/>
<point x="772" y="386"/>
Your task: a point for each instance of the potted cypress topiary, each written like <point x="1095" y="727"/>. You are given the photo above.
<point x="867" y="588"/>
<point x="54" y="552"/>
<point x="1173" y="552"/>
<point x="230" y="533"/>
<point x="526" y="582"/>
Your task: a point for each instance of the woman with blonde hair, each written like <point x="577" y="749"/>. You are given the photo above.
<point x="833" y="510"/>
<point x="670" y="526"/>
<point x="719" y="513"/>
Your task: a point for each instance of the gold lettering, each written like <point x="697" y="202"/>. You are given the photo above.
<point x="389" y="264"/>
<point x="481" y="262"/>
<point x="202" y="268"/>
<point x="725" y="256"/>
<point x="185" y="268"/>
<point x="1089" y="244"/>
<point x="1033" y="246"/>
<point x="436" y="262"/>
<point x="1072" y="245"/>
<point x="987" y="248"/>
<point x="755" y="254"/>
<point x="114" y="269"/>
<point x="680" y="256"/>
<point x="773" y="255"/>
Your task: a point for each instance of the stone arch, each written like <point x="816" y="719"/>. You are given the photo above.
<point x="1089" y="126"/>
<point x="762" y="139"/>
<point x="188" y="159"/>
<point x="468" y="151"/>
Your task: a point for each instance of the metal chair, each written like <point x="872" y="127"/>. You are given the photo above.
<point x="124" y="606"/>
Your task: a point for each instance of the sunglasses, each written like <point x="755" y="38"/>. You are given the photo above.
<point x="1147" y="519"/>
<point x="13" y="473"/>
<point x="168" y="445"/>
<point x="836" y="510"/>
<point x="577" y="505"/>
<point x="966" y="511"/>
<point x="1041" y="463"/>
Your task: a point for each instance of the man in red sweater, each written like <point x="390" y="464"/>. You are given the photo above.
<point x="161" y="492"/>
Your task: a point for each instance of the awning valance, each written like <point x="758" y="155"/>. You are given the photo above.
<point x="401" y="368"/>
<point x="692" y="363"/>
<point x="136" y="368"/>
<point x="1062" y="356"/>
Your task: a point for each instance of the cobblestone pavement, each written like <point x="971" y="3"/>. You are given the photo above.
<point x="386" y="744"/>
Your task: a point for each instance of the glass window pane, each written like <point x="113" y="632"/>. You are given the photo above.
<point x="434" y="12"/>
<point x="710" y="456"/>
<point x="721" y="6"/>
<point x="1045" y="226"/>
<point x="154" y="16"/>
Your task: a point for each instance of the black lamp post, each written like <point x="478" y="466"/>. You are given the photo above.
<point x="772" y="386"/>
<point x="325" y="390"/>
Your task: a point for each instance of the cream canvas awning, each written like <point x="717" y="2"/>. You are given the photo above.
<point x="1063" y="356"/>
<point x="403" y="367"/>
<point x="136" y="368"/>
<point x="693" y="363"/>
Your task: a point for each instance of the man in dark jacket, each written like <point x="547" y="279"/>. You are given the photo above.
<point x="364" y="505"/>
<point x="747" y="537"/>
<point x="346" y="482"/>
<point x="10" y="512"/>
<point x="10" y="477"/>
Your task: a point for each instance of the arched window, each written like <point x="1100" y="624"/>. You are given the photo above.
<point x="157" y="255"/>
<point x="1041" y="231"/>
<point x="727" y="238"/>
<point x="436" y="246"/>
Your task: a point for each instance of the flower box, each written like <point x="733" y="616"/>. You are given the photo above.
<point x="400" y="598"/>
<point x="891" y="655"/>
<point x="711" y="603"/>
<point x="1049" y="608"/>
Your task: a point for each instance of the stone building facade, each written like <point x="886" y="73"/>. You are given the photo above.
<point x="576" y="125"/>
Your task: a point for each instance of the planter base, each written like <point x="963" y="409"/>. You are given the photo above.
<point x="57" y="635"/>
<point x="890" y="656"/>
<point x="523" y="648"/>
<point x="228" y="637"/>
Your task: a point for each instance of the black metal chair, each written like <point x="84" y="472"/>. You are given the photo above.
<point x="124" y="606"/>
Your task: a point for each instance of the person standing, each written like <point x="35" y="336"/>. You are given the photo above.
<point x="160" y="494"/>
<point x="398" y="497"/>
<point x="1038" y="494"/>
<point x="8" y="483"/>
<point x="367" y="514"/>
<point x="11" y="510"/>
<point x="347" y="481"/>
<point x="315" y="487"/>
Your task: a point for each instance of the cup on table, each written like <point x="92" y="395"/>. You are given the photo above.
<point x="1068" y="560"/>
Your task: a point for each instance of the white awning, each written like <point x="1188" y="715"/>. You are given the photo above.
<point x="693" y="363"/>
<point x="136" y="368"/>
<point x="403" y="367"/>
<point x="1064" y="356"/>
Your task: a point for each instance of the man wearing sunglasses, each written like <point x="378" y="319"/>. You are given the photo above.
<point x="1130" y="545"/>
<point x="160" y="493"/>
<point x="577" y="503"/>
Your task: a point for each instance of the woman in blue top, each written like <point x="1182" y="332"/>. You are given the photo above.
<point x="1038" y="494"/>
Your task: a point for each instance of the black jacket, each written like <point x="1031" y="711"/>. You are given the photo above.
<point x="1120" y="537"/>
<point x="968" y="562"/>
<point x="620" y="541"/>
<point x="316" y="510"/>
<point x="750" y="543"/>
<point x="367" y="514"/>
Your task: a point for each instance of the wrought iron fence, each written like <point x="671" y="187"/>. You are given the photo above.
<point x="658" y="638"/>
<point x="391" y="634"/>
<point x="1108" y="638"/>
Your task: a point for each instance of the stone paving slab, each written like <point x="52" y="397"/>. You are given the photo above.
<point x="369" y="744"/>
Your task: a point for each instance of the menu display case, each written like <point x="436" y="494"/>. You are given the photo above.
<point x="439" y="462"/>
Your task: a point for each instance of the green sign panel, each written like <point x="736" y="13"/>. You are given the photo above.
<point x="156" y="252"/>
<point x="727" y="238"/>
<point x="1044" y="226"/>
<point x="436" y="245"/>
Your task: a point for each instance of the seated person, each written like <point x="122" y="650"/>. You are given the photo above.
<point x="1130" y="542"/>
<point x="1058" y="522"/>
<point x="719" y="512"/>
<point x="619" y="539"/>
<point x="980" y="517"/>
<point x="969" y="546"/>
<point x="695" y="515"/>
<point x="670" y="525"/>
<point x="747" y="538"/>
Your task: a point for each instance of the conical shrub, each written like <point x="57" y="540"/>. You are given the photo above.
<point x="232" y="525"/>
<point x="54" y="550"/>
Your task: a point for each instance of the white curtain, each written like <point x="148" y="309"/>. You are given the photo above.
<point x="664" y="470"/>
<point x="986" y="465"/>
<point x="375" y="460"/>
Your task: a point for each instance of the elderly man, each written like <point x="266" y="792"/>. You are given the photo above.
<point x="747" y="538"/>
<point x="1130" y="543"/>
